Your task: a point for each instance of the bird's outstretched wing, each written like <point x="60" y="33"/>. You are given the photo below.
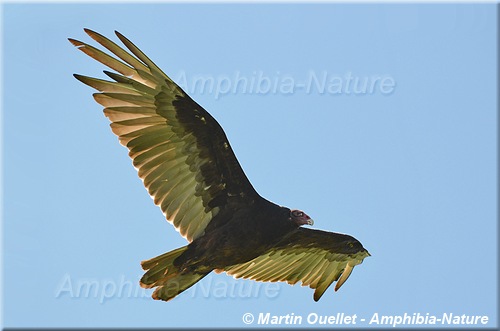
<point x="181" y="153"/>
<point x="315" y="258"/>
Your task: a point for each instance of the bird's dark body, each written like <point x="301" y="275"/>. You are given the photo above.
<point x="237" y="236"/>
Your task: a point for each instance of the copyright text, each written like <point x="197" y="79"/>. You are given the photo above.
<point x="375" y="319"/>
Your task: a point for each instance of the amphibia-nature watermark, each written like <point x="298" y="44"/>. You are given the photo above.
<point x="261" y="83"/>
<point x="103" y="290"/>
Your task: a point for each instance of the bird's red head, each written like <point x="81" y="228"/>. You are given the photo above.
<point x="300" y="218"/>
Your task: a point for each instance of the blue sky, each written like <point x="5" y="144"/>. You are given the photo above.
<point x="409" y="169"/>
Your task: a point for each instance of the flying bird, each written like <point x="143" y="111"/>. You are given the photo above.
<point x="188" y="167"/>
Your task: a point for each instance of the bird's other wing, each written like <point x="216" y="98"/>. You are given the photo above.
<point x="313" y="257"/>
<point x="180" y="151"/>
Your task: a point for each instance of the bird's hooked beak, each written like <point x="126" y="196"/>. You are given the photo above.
<point x="308" y="221"/>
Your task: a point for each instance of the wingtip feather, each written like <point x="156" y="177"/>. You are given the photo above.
<point x="81" y="78"/>
<point x="75" y="42"/>
<point x="122" y="38"/>
<point x="343" y="278"/>
<point x="119" y="35"/>
<point x="92" y="33"/>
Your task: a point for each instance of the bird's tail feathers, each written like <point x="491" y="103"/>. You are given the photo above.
<point x="169" y="280"/>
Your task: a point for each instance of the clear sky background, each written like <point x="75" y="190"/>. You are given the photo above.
<point x="410" y="172"/>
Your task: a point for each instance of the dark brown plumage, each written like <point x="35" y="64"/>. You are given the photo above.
<point x="188" y="167"/>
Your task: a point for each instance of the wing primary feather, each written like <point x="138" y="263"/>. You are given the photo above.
<point x="137" y="52"/>
<point x="102" y="57"/>
<point x="115" y="49"/>
<point x="327" y="279"/>
<point x="107" y="86"/>
<point x="345" y="275"/>
<point x="131" y="82"/>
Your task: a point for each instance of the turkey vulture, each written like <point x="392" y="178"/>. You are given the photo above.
<point x="188" y="167"/>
